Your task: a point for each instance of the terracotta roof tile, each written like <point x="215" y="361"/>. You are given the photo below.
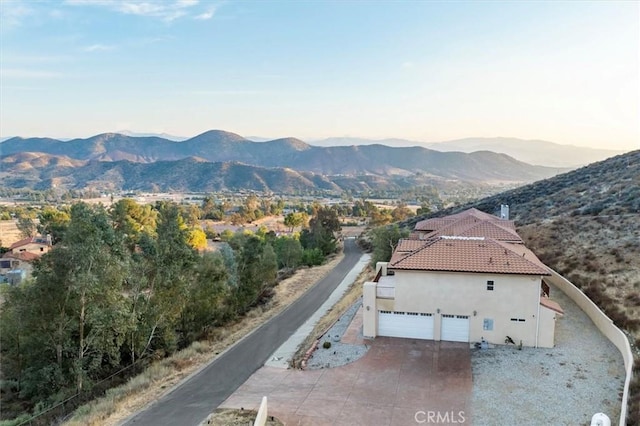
<point x="460" y="254"/>
<point x="29" y="240"/>
<point x="22" y="242"/>
<point x="550" y="304"/>
<point x="24" y="256"/>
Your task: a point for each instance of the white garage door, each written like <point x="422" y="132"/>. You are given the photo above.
<point x="405" y="324"/>
<point x="455" y="328"/>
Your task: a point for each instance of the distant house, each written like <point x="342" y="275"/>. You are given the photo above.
<point x="38" y="245"/>
<point x="16" y="264"/>
<point x="463" y="278"/>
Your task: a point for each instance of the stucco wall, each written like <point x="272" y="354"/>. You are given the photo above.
<point x="513" y="296"/>
<point x="35" y="248"/>
<point x="369" y="311"/>
<point x="606" y="326"/>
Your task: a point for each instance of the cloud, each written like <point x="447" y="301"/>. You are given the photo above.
<point x="206" y="15"/>
<point x="98" y="48"/>
<point x="407" y="65"/>
<point x="13" y="14"/>
<point x="164" y="10"/>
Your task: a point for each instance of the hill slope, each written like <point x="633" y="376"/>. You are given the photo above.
<point x="538" y="152"/>
<point x="586" y="225"/>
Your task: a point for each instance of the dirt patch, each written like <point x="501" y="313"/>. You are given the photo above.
<point x="190" y="360"/>
<point x="9" y="233"/>
<point x="232" y="417"/>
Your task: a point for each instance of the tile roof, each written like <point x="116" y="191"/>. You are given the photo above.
<point x="550" y="304"/>
<point x="464" y="254"/>
<point x="470" y="223"/>
<point x="24" y="256"/>
<point x="29" y="240"/>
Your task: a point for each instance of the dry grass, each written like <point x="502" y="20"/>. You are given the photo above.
<point x="600" y="255"/>
<point x="351" y="295"/>
<point x="9" y="233"/>
<point x="122" y="401"/>
<point x="233" y="417"/>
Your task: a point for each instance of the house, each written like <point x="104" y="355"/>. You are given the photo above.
<point x="37" y="245"/>
<point x="462" y="278"/>
<point x="16" y="264"/>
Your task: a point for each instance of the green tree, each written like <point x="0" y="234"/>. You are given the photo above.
<point x="54" y="222"/>
<point x="288" y="251"/>
<point x="322" y="230"/>
<point x="26" y="224"/>
<point x="401" y="212"/>
<point x="295" y="219"/>
<point x="257" y="270"/>
<point x="207" y="294"/>
<point x="132" y="219"/>
<point x="77" y="311"/>
<point x="384" y="240"/>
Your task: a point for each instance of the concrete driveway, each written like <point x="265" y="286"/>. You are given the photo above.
<point x="398" y="382"/>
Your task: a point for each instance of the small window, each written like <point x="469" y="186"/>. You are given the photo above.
<point x="517" y="319"/>
<point x="490" y="285"/>
<point x="41" y="248"/>
<point x="487" y="324"/>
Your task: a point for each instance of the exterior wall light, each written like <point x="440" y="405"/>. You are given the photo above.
<point x="475" y="313"/>
<point x="438" y="310"/>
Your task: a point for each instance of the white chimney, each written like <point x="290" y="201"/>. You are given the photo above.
<point x="504" y="211"/>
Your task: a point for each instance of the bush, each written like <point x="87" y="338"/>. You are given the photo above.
<point x="312" y="257"/>
<point x="326" y="345"/>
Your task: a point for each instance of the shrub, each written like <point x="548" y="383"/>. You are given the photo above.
<point x="326" y="345"/>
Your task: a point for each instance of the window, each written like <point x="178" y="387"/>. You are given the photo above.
<point x="487" y="324"/>
<point x="41" y="248"/>
<point x="517" y="319"/>
<point x="490" y="285"/>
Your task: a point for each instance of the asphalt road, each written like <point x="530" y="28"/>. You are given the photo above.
<point x="192" y="401"/>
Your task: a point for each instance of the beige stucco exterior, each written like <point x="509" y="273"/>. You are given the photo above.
<point x="513" y="305"/>
<point x="34" y="247"/>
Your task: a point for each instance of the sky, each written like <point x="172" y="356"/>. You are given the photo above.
<point x="566" y="72"/>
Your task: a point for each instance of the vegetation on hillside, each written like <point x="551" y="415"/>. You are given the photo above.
<point x="585" y="224"/>
<point x="126" y="285"/>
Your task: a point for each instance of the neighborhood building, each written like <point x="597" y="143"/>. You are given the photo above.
<point x="467" y="277"/>
<point x="16" y="264"/>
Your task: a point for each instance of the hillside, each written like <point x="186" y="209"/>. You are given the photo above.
<point x="219" y="146"/>
<point x="586" y="225"/>
<point x="538" y="152"/>
<point x="43" y="171"/>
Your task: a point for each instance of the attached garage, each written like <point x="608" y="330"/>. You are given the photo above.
<point x="455" y="328"/>
<point x="412" y="325"/>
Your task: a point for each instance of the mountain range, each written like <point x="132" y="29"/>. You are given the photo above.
<point x="226" y="159"/>
<point x="538" y="152"/>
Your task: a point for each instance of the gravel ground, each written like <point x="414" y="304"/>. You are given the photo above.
<point x="339" y="353"/>
<point x="565" y="385"/>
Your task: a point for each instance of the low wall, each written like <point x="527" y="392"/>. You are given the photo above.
<point x="606" y="327"/>
<point x="261" y="418"/>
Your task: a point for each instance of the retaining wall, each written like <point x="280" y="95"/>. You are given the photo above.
<point x="606" y="327"/>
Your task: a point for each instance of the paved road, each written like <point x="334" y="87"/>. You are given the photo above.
<point x="191" y="402"/>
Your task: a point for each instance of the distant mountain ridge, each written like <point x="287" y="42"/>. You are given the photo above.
<point x="536" y="152"/>
<point x="219" y="146"/>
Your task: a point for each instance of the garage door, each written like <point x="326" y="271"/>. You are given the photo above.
<point x="405" y="324"/>
<point x="455" y="328"/>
